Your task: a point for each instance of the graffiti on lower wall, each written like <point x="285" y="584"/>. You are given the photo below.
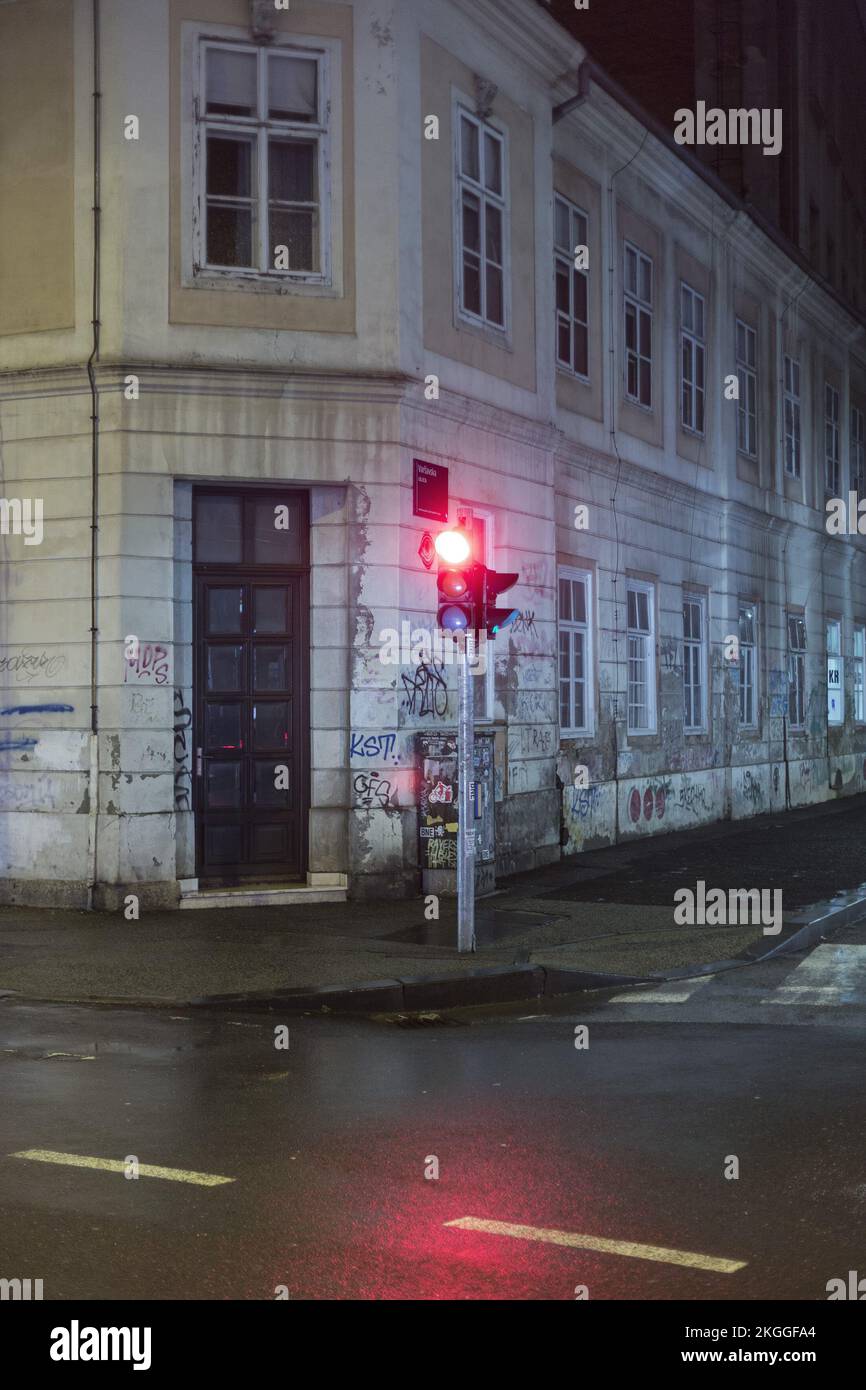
<point x="11" y="743"/>
<point x="25" y="666"/>
<point x="150" y="665"/>
<point x="182" y="753"/>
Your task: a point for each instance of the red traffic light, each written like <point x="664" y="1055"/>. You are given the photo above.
<point x="453" y="547"/>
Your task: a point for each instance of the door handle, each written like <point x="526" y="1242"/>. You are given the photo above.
<point x="198" y="762"/>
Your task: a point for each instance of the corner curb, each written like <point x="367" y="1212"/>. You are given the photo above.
<point x="497" y="984"/>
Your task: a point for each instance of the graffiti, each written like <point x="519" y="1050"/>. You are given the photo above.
<point x="584" y="801"/>
<point x="542" y="739"/>
<point x="426" y="691"/>
<point x="442" y="792"/>
<point x="182" y="771"/>
<point x="776" y="777"/>
<point x="805" y="772"/>
<point x="372" y="746"/>
<point x="778" y="694"/>
<point x="140" y="703"/>
<point x="442" y="853"/>
<point x="525" y="622"/>
<point x="653" y="801"/>
<point x="372" y="790"/>
<point x="753" y="792"/>
<point x="535" y="574"/>
<point x="27" y="665"/>
<point x="38" y="709"/>
<point x="533" y="702"/>
<point x="27" y="796"/>
<point x="693" y="799"/>
<point x="9" y="743"/>
<point x="669" y="649"/>
<point x="151" y="664"/>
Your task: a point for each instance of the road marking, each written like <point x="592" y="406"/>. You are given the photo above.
<point x="116" y="1165"/>
<point x="607" y="1247"/>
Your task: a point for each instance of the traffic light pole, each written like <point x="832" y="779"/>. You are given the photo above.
<point x="465" y="807"/>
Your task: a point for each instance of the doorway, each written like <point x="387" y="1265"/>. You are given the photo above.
<point x="251" y="684"/>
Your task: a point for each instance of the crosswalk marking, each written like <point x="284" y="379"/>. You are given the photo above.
<point x="629" y="1248"/>
<point x="116" y="1165"/>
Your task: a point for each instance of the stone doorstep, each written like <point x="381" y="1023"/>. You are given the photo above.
<point x="286" y="896"/>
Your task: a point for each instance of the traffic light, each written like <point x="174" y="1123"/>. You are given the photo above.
<point x="494" y="619"/>
<point x="457" y="582"/>
<point x="468" y="590"/>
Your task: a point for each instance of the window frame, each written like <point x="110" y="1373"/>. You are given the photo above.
<point x="648" y="588"/>
<point x="462" y="108"/>
<point x="698" y="344"/>
<point x="793" y="401"/>
<point x="747" y="377"/>
<point x="858" y="672"/>
<point x="796" y="661"/>
<point x="698" y="645"/>
<point x="563" y="260"/>
<point x="572" y="626"/>
<point x="632" y="299"/>
<point x="750" y="667"/>
<point x="259" y="129"/>
<point x="857" y="447"/>
<point x="832" y="440"/>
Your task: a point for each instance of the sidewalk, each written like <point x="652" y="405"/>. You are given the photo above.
<point x="605" y="913"/>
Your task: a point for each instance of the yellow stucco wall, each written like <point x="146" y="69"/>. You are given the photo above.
<point x="36" y="167"/>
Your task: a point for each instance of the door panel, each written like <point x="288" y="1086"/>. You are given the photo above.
<point x="251" y="620"/>
<point x="251" y="723"/>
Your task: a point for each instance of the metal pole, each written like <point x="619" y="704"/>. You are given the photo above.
<point x="465" y="807"/>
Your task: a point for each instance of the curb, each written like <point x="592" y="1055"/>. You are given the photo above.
<point x="496" y="984"/>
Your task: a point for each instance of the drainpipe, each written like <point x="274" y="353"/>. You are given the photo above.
<point x="93" y="782"/>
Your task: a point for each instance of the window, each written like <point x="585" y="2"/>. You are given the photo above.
<point x="835" y="674"/>
<point x="858" y="452"/>
<point x="694" y="663"/>
<point x="263" y="141"/>
<point x="693" y="352"/>
<point x="748" y="665"/>
<point x="747" y="378"/>
<point x="792" y="417"/>
<point x="638" y="281"/>
<point x="481" y="212"/>
<point x="832" y="471"/>
<point x="641" y="658"/>
<point x="796" y="670"/>
<point x="859" y="675"/>
<point x="575" y="652"/>
<point x="572" y="288"/>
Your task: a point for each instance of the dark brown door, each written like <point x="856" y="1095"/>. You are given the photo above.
<point x="251" y="680"/>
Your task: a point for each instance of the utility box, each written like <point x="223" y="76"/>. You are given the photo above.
<point x="437" y="813"/>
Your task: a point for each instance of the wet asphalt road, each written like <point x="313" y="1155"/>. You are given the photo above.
<point x="327" y="1145"/>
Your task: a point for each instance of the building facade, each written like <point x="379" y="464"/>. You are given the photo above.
<point x="285" y="255"/>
